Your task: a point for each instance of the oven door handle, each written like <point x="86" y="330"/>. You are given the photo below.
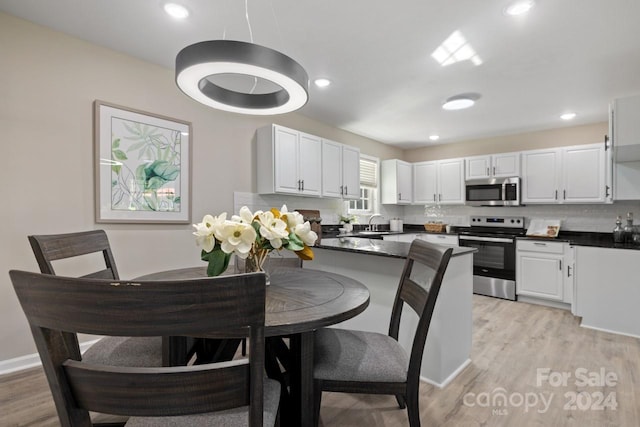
<point x="486" y="239"/>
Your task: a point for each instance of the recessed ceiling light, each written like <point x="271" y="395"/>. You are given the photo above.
<point x="519" y="7"/>
<point x="322" y="82"/>
<point x="175" y="10"/>
<point x="568" y="116"/>
<point x="460" y="102"/>
<point x="434" y="137"/>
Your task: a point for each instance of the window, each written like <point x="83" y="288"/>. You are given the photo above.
<point x="368" y="187"/>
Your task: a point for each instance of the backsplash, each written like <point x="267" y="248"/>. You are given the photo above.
<point x="594" y="217"/>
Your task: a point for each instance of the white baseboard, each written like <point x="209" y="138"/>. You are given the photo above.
<point x="608" y="330"/>
<point x="450" y="378"/>
<point x="31" y="360"/>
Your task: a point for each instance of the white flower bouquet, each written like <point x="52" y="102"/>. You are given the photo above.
<point x="252" y="236"/>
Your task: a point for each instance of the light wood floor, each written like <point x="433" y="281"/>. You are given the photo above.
<point x="511" y="342"/>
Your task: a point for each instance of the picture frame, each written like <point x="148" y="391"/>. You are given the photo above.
<point x="142" y="166"/>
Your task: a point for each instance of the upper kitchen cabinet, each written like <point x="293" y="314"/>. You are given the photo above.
<point x="503" y="165"/>
<point x="565" y="175"/>
<point x="439" y="182"/>
<point x="288" y="161"/>
<point x="397" y="182"/>
<point x="340" y="170"/>
<point x="625" y="128"/>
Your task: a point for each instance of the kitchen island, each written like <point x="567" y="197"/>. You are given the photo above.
<point x="378" y="264"/>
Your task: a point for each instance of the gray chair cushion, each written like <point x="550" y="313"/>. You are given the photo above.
<point x="347" y="355"/>
<point x="137" y="352"/>
<point x="230" y="418"/>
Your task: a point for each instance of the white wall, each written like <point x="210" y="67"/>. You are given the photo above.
<point x="48" y="82"/>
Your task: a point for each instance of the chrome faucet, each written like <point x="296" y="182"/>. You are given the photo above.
<point x="373" y="227"/>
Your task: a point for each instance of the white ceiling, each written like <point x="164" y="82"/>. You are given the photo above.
<point x="565" y="55"/>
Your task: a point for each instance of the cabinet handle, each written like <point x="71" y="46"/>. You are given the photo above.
<point x="341" y="190"/>
<point x="487" y="171"/>
<point x="434" y="197"/>
<point x="494" y="170"/>
<point x="556" y="197"/>
<point x="560" y="264"/>
<point x="299" y="185"/>
<point x="539" y="244"/>
<point x="564" y="194"/>
<point x="439" y="197"/>
<point x="399" y="196"/>
<point x="303" y="185"/>
<point x="606" y="190"/>
<point x="568" y="271"/>
<point x="346" y="191"/>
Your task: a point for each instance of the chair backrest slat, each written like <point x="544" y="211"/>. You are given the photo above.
<point x="141" y="392"/>
<point x="414" y="295"/>
<point x="422" y="301"/>
<point x="202" y="307"/>
<point x="53" y="247"/>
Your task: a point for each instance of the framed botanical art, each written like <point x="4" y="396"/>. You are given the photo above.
<point x="142" y="166"/>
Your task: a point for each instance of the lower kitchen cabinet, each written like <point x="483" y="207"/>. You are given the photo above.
<point x="544" y="270"/>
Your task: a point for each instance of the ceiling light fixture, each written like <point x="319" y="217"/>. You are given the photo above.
<point x="175" y="10"/>
<point x="322" y="82"/>
<point x="199" y="61"/>
<point x="519" y="7"/>
<point x="568" y="116"/>
<point x="434" y="137"/>
<point x="460" y="102"/>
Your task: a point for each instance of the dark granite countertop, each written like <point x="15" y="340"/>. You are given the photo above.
<point x="376" y="247"/>
<point x="576" y="238"/>
<point x="585" y="238"/>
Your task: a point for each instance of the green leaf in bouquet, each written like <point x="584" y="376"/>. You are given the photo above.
<point x="218" y="261"/>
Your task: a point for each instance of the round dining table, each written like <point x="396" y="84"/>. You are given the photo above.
<point x="298" y="301"/>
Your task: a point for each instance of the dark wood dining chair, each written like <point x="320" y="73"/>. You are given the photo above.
<point x="234" y="393"/>
<point x="119" y="351"/>
<point x="366" y="362"/>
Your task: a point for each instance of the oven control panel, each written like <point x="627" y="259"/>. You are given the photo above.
<point x="497" y="221"/>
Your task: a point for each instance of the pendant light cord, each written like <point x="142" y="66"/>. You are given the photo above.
<point x="246" y="14"/>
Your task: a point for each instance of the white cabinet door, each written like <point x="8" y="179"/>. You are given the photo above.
<point x="310" y="164"/>
<point x="425" y="182"/>
<point x="505" y="165"/>
<point x="331" y="169"/>
<point x="625" y="118"/>
<point x="397" y="182"/>
<point x="583" y="174"/>
<point x="405" y="182"/>
<point x="451" y="182"/>
<point x="350" y="172"/>
<point x="286" y="161"/>
<point x="478" y="167"/>
<point x="540" y="275"/>
<point x="540" y="176"/>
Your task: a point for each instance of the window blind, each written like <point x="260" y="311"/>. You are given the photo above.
<point x="368" y="173"/>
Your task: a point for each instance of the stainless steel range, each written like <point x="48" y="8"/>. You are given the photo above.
<point x="494" y="265"/>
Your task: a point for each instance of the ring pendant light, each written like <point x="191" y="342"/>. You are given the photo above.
<point x="197" y="62"/>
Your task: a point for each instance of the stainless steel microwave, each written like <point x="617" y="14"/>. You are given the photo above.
<point x="493" y="192"/>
